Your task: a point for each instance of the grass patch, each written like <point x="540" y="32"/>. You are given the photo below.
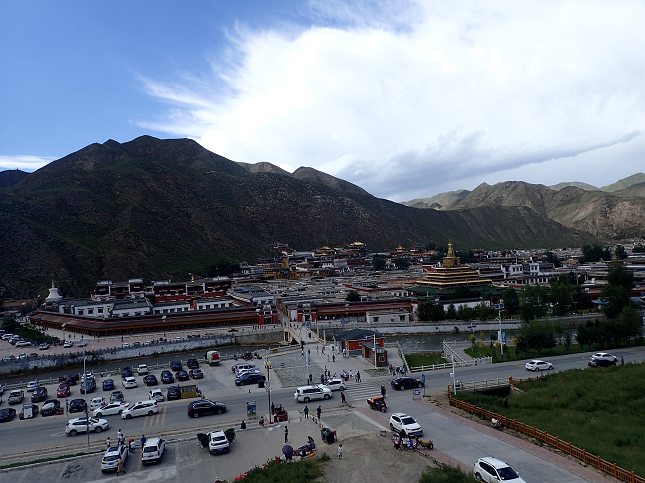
<point x="297" y="472"/>
<point x="600" y="410"/>
<point x="424" y="359"/>
<point x="446" y="474"/>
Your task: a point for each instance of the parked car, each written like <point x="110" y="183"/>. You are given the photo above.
<point x="205" y="406"/>
<point x="39" y="394"/>
<point x="167" y="377"/>
<point x="150" y="380"/>
<point x="50" y="407"/>
<point x="117" y="396"/>
<point x="152" y="451"/>
<point x="28" y="411"/>
<point x="80" y="425"/>
<point x="88" y="386"/>
<point x="142" y="369"/>
<point x="129" y="382"/>
<point x="68" y="344"/>
<point x="23" y="343"/>
<point x="494" y="470"/>
<point x="16" y="396"/>
<point x="334" y="384"/>
<point x="402" y="422"/>
<point x="141" y="408"/>
<point x="136" y="344"/>
<point x="77" y="405"/>
<point x="69" y="380"/>
<point x="196" y="374"/>
<point x="173" y="393"/>
<point x="192" y="363"/>
<point x="249" y="378"/>
<point x="108" y="384"/>
<point x="182" y="376"/>
<point x="156" y="395"/>
<point x="218" y="442"/>
<point x="125" y="345"/>
<point x="63" y="390"/>
<point x="538" y="365"/>
<point x="311" y="393"/>
<point x="111" y="457"/>
<point x="406" y="382"/>
<point x="96" y="402"/>
<point x="7" y="414"/>
<point x="176" y="366"/>
<point x="31" y="386"/>
<point x="43" y="347"/>
<point x="114" y="407"/>
<point x="602" y="359"/>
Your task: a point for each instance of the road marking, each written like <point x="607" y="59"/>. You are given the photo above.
<point x="163" y="416"/>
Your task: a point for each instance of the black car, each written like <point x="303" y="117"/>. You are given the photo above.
<point x="77" y="405"/>
<point x="50" y="407"/>
<point x="200" y="408"/>
<point x="249" y="378"/>
<point x="39" y="395"/>
<point x="167" y="377"/>
<point x="176" y="366"/>
<point x="69" y="380"/>
<point x="7" y="414"/>
<point x="173" y="393"/>
<point x="117" y="396"/>
<point x="406" y="383"/>
<point x="192" y="363"/>
<point x="108" y="385"/>
<point x="196" y="374"/>
<point x="150" y="380"/>
<point x="600" y="363"/>
<point x="182" y="376"/>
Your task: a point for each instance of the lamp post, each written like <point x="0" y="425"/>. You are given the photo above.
<point x="499" y="307"/>
<point x="87" y="417"/>
<point x="452" y="374"/>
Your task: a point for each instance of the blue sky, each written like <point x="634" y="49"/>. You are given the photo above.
<point x="404" y="98"/>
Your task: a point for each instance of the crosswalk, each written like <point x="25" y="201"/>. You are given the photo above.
<point x="367" y="389"/>
<point x="156" y="420"/>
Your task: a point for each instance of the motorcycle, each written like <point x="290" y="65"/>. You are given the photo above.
<point x="424" y="444"/>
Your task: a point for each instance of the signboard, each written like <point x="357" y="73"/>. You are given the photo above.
<point x="416" y="392"/>
<point x="250" y="409"/>
<point x="504" y="337"/>
<point x="498" y="306"/>
<point x="423" y="378"/>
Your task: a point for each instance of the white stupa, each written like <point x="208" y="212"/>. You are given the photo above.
<point x="53" y="296"/>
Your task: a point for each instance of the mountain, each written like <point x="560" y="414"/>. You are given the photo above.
<point x="576" y="184"/>
<point x="437" y="201"/>
<point x="263" y="167"/>
<point x="624" y="183"/>
<point x="159" y="209"/>
<point x="10" y="177"/>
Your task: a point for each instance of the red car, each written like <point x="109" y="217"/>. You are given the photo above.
<point x="63" y="391"/>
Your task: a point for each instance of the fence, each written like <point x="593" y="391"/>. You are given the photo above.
<point x="448" y="365"/>
<point x="611" y="468"/>
<point x="481" y="385"/>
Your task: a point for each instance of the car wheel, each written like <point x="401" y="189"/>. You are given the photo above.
<point x="100" y="415"/>
<point x="537" y="369"/>
<point x="391" y="426"/>
<point x="73" y="432"/>
<point x="128" y="416"/>
<point x="384" y="410"/>
<point x="478" y="477"/>
<point x="306" y="399"/>
<point x="218" y="412"/>
<point x="98" y="429"/>
<point x="195" y="415"/>
<point x="326" y="396"/>
<point x="151" y="413"/>
<point x="420" y="384"/>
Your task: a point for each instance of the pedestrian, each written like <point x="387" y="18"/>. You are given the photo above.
<point x="272" y="408"/>
<point x="306" y="412"/>
<point x="322" y="379"/>
<point x="286" y="433"/>
<point x="323" y="350"/>
<point x="119" y="466"/>
<point x="143" y="441"/>
<point x="358" y="376"/>
<point x="107" y="443"/>
<point x="122" y="441"/>
<point x="302" y="351"/>
<point x="327" y="357"/>
<point x="316" y="349"/>
<point x="131" y="444"/>
<point x="340" y="451"/>
<point x="242" y="425"/>
<point x="383" y="391"/>
<point x="333" y="358"/>
<point x="119" y="434"/>
<point x="351" y="374"/>
<point x="622" y="360"/>
<point x="342" y="397"/>
<point x="319" y="410"/>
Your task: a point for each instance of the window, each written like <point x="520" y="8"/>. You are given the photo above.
<point x="381" y="357"/>
<point x="80" y="311"/>
<point x="99" y="310"/>
<point x="90" y="311"/>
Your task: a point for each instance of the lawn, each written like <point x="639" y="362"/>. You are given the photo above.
<point x="424" y="359"/>
<point x="600" y="410"/>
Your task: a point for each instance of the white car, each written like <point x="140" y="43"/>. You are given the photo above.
<point x="152" y="451"/>
<point x="96" y="403"/>
<point x="141" y="408"/>
<point x="494" y="470"/>
<point x="311" y="393"/>
<point x="31" y="386"/>
<point x="156" y="395"/>
<point x="43" y="347"/>
<point x="538" y="365"/>
<point x="79" y="425"/>
<point x="68" y="344"/>
<point x="129" y="382"/>
<point x="402" y="422"/>
<point x="334" y="385"/>
<point x="218" y="442"/>
<point x="110" y="459"/>
<point x="22" y="343"/>
<point x="142" y="369"/>
<point x="603" y="356"/>
<point x="125" y="345"/>
<point x="115" y="407"/>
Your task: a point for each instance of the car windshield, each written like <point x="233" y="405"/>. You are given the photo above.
<point x="111" y="457"/>
<point x="218" y="438"/>
<point x="48" y="405"/>
<point x="408" y="420"/>
<point x="507" y="473"/>
<point x="149" y="449"/>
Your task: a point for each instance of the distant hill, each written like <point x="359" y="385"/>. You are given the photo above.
<point x="624" y="183"/>
<point x="10" y="177"/>
<point x="575" y="184"/>
<point x="263" y="167"/>
<point x="437" y="201"/>
<point x="161" y="209"/>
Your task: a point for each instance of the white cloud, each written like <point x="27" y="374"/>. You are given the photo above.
<point x="24" y="163"/>
<point x="444" y="93"/>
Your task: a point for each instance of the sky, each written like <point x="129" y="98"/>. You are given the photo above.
<point x="404" y="98"/>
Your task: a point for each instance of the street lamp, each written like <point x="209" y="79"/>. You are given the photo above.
<point x="452" y="374"/>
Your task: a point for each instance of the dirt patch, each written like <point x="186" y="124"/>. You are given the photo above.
<point x="372" y="457"/>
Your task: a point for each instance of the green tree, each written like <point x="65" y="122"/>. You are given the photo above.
<point x="223" y="267"/>
<point x="560" y="296"/>
<point x="620" y="252"/>
<point x="594" y="253"/>
<point x="451" y="313"/>
<point x="429" y="310"/>
<point x="483" y="311"/>
<point x="465" y="313"/>
<point x="533" y="302"/>
<point x="378" y="262"/>
<point x="536" y="335"/>
<point x="616" y="298"/>
<point x="401" y="263"/>
<point x="620" y="276"/>
<point x="510" y="300"/>
<point x="353" y="296"/>
<point x="552" y="258"/>
<point x="630" y="323"/>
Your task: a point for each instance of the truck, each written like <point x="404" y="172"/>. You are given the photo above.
<point x="213" y="358"/>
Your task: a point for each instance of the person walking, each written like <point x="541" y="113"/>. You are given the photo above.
<point x="358" y="376"/>
<point x="333" y="358"/>
<point x="119" y="435"/>
<point x="286" y="434"/>
<point x="306" y="412"/>
<point x="107" y="443"/>
<point x="143" y="441"/>
<point x="132" y="445"/>
<point x="340" y="451"/>
<point x="119" y="466"/>
<point x="342" y="397"/>
<point x="318" y="410"/>
<point x="622" y="360"/>
<point x="383" y="391"/>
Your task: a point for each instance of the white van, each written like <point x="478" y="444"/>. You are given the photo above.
<point x="240" y="368"/>
<point x="311" y="393"/>
<point x="141" y="408"/>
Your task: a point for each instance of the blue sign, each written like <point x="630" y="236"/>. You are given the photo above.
<point x="499" y="306"/>
<point x="423" y="378"/>
<point x="504" y="337"/>
<point x="416" y="392"/>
